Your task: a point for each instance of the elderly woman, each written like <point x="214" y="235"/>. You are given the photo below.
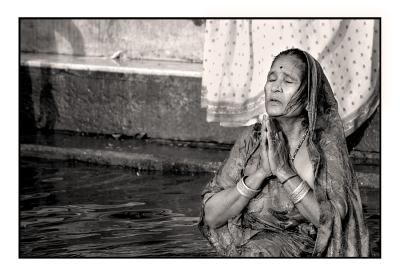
<point x="288" y="188"/>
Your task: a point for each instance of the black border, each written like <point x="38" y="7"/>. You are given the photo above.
<point x="205" y="18"/>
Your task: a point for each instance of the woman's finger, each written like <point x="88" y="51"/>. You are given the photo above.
<point x="263" y="138"/>
<point x="268" y="124"/>
<point x="270" y="133"/>
<point x="263" y="123"/>
<point x="263" y="131"/>
<point x="271" y="125"/>
<point x="270" y="136"/>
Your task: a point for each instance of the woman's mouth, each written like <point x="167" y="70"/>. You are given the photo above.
<point x="273" y="100"/>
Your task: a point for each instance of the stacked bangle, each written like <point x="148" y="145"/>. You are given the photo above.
<point x="300" y="192"/>
<point x="245" y="190"/>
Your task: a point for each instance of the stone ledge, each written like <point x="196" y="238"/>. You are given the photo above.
<point x="161" y="162"/>
<point x="142" y="67"/>
<point x="138" y="161"/>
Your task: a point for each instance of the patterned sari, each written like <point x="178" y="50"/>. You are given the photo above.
<point x="271" y="225"/>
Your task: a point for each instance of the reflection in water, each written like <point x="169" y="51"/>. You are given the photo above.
<point x="77" y="210"/>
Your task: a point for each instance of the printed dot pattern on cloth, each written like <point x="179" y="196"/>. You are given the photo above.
<point x="239" y="53"/>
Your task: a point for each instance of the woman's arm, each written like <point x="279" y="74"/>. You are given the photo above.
<point x="229" y="202"/>
<point x="308" y="206"/>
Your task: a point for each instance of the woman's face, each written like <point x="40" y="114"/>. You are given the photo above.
<point x="283" y="82"/>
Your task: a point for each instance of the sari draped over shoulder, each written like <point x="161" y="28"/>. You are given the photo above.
<point x="271" y="225"/>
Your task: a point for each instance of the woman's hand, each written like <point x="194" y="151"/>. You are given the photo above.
<point x="265" y="168"/>
<point x="278" y="153"/>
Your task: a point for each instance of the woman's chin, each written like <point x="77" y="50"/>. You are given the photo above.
<point x="274" y="108"/>
<point x="274" y="112"/>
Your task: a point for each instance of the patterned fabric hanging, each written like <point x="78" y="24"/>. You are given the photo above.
<point x="239" y="53"/>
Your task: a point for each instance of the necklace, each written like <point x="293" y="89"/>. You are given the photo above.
<point x="298" y="147"/>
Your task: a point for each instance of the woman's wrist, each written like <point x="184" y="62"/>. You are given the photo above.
<point x="284" y="174"/>
<point x="255" y="180"/>
<point x="262" y="174"/>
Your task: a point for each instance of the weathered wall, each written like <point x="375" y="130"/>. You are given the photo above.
<point x="99" y="102"/>
<point x="138" y="39"/>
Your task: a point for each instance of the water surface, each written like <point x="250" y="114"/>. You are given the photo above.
<point x="77" y="210"/>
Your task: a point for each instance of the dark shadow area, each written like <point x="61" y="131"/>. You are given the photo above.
<point x="48" y="107"/>
<point x="48" y="110"/>
<point x="27" y="124"/>
<point x="355" y="138"/>
<point x="199" y="22"/>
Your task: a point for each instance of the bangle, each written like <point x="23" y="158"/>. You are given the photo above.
<point x="300" y="192"/>
<point x="245" y="190"/>
<point x="287" y="179"/>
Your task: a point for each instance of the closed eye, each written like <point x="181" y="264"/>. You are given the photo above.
<point x="271" y="77"/>
<point x="289" y="80"/>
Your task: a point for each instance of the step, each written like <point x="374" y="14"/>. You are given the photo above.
<point x="152" y="155"/>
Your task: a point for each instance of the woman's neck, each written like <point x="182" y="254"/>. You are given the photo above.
<point x="293" y="128"/>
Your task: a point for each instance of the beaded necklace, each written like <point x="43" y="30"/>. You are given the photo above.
<point x="298" y="147"/>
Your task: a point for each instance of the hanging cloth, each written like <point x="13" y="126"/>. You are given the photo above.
<point x="238" y="55"/>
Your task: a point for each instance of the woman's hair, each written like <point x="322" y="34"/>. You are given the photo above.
<point x="299" y="98"/>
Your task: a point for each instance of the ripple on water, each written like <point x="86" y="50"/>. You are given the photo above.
<point x="98" y="212"/>
<point x="52" y="179"/>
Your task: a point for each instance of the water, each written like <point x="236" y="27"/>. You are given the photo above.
<point x="76" y="210"/>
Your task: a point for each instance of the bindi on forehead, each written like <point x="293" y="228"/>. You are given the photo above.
<point x="290" y="65"/>
<point x="290" y="68"/>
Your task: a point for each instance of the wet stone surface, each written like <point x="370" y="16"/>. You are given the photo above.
<point x="77" y="210"/>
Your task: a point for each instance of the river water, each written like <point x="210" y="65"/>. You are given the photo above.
<point x="77" y="210"/>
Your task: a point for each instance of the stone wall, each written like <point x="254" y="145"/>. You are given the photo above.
<point x="137" y="39"/>
<point x="166" y="107"/>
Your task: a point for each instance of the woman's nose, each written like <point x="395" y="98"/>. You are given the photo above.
<point x="276" y="87"/>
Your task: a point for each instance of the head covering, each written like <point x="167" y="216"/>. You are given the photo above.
<point x="335" y="185"/>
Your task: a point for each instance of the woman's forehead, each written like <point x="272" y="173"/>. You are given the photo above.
<point x="288" y="64"/>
